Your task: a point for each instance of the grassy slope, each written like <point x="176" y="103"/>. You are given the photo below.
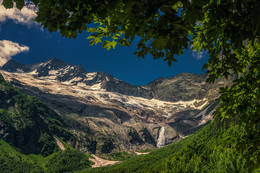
<point x="207" y="150"/>
<point x="12" y="160"/>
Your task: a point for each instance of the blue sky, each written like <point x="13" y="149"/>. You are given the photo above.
<point x="120" y="62"/>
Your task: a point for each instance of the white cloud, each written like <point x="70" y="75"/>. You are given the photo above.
<point x="9" y="49"/>
<point x="24" y="16"/>
<point x="198" y="55"/>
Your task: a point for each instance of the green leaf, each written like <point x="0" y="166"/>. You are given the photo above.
<point x="92" y="30"/>
<point x="109" y="44"/>
<point x="218" y="2"/>
<point x="113" y="44"/>
<point x="19" y="4"/>
<point x="8" y="3"/>
<point x="116" y="36"/>
<point x="95" y="40"/>
<point x="177" y="5"/>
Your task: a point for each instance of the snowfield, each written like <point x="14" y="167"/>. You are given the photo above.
<point x="51" y="85"/>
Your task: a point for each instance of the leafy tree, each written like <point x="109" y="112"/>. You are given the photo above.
<point x="68" y="161"/>
<point x="228" y="29"/>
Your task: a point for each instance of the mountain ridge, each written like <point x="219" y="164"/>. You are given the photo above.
<point x="65" y="72"/>
<point x="166" y="89"/>
<point x="115" y="115"/>
<point x="13" y="66"/>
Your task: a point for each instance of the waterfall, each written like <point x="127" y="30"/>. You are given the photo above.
<point x="161" y="138"/>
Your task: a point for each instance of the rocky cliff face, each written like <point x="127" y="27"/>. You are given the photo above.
<point x="106" y="114"/>
<point x="185" y="87"/>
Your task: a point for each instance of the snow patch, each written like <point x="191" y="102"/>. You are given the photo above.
<point x="95" y="93"/>
<point x="91" y="76"/>
<point x="34" y="72"/>
<point x="96" y="86"/>
<point x="19" y="71"/>
<point x="53" y="72"/>
<point x="81" y="84"/>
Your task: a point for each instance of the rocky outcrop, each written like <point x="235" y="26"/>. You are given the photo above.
<point x="13" y="66"/>
<point x="184" y="86"/>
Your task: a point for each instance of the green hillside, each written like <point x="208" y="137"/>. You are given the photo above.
<point x="27" y="123"/>
<point x="208" y="150"/>
<point x="27" y="128"/>
<point x="12" y="160"/>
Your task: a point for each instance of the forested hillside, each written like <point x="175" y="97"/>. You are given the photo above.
<point x="27" y="135"/>
<point x="27" y="123"/>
